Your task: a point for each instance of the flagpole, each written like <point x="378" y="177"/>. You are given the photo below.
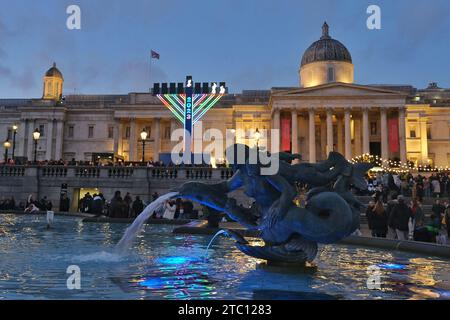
<point x="150" y="72"/>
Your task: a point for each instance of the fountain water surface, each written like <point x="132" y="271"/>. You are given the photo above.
<point x="136" y="227"/>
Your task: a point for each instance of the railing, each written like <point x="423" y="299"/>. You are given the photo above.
<point x="87" y="172"/>
<point x="117" y="173"/>
<point x="54" y="172"/>
<point x="12" y="171"/>
<point x="164" y="173"/>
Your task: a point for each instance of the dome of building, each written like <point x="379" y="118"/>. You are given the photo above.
<point x="326" y="49"/>
<point x="326" y="60"/>
<point x="54" y="72"/>
<point x="53" y="84"/>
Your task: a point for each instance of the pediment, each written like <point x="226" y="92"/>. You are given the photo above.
<point x="340" y="90"/>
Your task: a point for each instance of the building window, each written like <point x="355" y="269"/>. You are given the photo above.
<point x="412" y="133"/>
<point x="110" y="132"/>
<point x="373" y="128"/>
<point x="429" y="133"/>
<point x="42" y="130"/>
<point x="127" y="132"/>
<point x="91" y="132"/>
<point x="330" y="74"/>
<point x="70" y="132"/>
<point x="167" y="133"/>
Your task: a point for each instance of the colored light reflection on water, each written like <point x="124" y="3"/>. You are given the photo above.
<point x="392" y="266"/>
<point x="180" y="260"/>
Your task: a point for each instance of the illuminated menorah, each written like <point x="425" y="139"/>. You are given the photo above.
<point x="189" y="103"/>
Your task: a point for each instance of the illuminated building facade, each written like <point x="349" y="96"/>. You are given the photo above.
<point x="328" y="111"/>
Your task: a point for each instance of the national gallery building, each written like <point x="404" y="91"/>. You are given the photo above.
<point x="326" y="112"/>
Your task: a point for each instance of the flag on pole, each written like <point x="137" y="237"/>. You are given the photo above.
<point x="155" y="55"/>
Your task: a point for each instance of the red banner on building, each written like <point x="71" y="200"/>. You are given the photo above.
<point x="285" y="134"/>
<point x="393" y="136"/>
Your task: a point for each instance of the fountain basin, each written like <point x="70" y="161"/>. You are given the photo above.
<point x="163" y="265"/>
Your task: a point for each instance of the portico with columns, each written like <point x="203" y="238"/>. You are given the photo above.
<point x="348" y="118"/>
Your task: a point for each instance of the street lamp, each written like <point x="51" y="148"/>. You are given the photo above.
<point x="15" y="127"/>
<point x="36" y="136"/>
<point x="257" y="137"/>
<point x="144" y="135"/>
<point x="6" y="145"/>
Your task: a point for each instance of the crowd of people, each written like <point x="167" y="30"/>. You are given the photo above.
<point x="399" y="220"/>
<point x="126" y="207"/>
<point x="73" y="162"/>
<point x="436" y="185"/>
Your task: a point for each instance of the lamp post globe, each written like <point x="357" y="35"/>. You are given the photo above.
<point x="36" y="136"/>
<point x="144" y="136"/>
<point x="6" y="146"/>
<point x="15" y="128"/>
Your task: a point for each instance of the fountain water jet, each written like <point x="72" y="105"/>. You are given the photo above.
<point x="136" y="227"/>
<point x="212" y="240"/>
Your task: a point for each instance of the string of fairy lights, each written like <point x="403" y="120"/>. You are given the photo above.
<point x="393" y="166"/>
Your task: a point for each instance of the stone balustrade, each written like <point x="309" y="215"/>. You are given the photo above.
<point x="21" y="181"/>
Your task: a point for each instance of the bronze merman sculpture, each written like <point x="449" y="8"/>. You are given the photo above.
<point x="290" y="232"/>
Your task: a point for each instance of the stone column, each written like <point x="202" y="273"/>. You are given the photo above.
<point x="357" y="136"/>
<point x="323" y="137"/>
<point x="30" y="147"/>
<point x="294" y="134"/>
<point x="48" y="148"/>
<point x="116" y="140"/>
<point x="402" y="133"/>
<point x="132" y="142"/>
<point x="330" y="142"/>
<point x="157" y="137"/>
<point x="366" y="131"/>
<point x="277" y="125"/>
<point x="340" y="134"/>
<point x="423" y="141"/>
<point x="312" y="136"/>
<point x="348" y="135"/>
<point x="384" y="134"/>
<point x="21" y="139"/>
<point x="59" y="140"/>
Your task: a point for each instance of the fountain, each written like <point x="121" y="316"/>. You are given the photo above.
<point x="136" y="227"/>
<point x="291" y="233"/>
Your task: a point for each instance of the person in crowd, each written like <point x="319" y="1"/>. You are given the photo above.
<point x="389" y="210"/>
<point x="417" y="213"/>
<point x="137" y="207"/>
<point x="400" y="216"/>
<point x="85" y="202"/>
<point x="427" y="188"/>
<point x="128" y="201"/>
<point x="188" y="209"/>
<point x="369" y="210"/>
<point x="447" y="219"/>
<point x="169" y="210"/>
<point x="179" y="208"/>
<point x="438" y="210"/>
<point x="118" y="207"/>
<point x="436" y="185"/>
<point x="155" y="196"/>
<point x="378" y="220"/>
<point x="64" y="204"/>
<point x="97" y="205"/>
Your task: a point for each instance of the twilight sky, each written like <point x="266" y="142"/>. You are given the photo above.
<point x="250" y="44"/>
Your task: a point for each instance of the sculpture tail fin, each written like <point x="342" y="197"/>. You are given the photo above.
<point x="358" y="174"/>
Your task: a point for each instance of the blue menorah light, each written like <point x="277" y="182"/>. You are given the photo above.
<point x="189" y="102"/>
